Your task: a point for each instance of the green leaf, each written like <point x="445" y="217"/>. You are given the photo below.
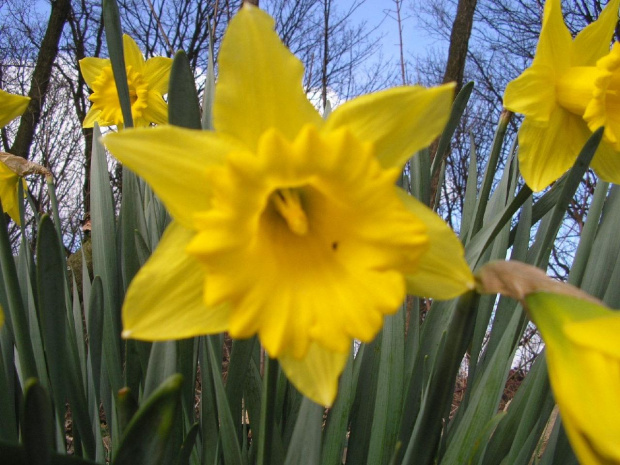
<point x="15" y="311"/>
<point x="230" y="445"/>
<point x="305" y="445"/>
<point x="238" y="368"/>
<point x="52" y="315"/>
<point x="114" y="40"/>
<point x="105" y="265"/>
<point x="527" y="407"/>
<point x="37" y="426"/>
<point x="209" y="92"/>
<point x="390" y="385"/>
<point x="336" y="428"/>
<point x="471" y="188"/>
<point x="364" y="405"/>
<point x="588" y="234"/>
<point x="146" y="438"/>
<point x="491" y="169"/>
<point x="458" y="108"/>
<point x="183" y="105"/>
<point x="427" y="431"/>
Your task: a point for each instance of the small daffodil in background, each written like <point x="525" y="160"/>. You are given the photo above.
<point x="287" y="225"/>
<point x="11" y="106"/>
<point x="147" y="81"/>
<point x="571" y="89"/>
<point x="583" y="357"/>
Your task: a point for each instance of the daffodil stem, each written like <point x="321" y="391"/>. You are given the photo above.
<point x="267" y="419"/>
<point x="54" y="201"/>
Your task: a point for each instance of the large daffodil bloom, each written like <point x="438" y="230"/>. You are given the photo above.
<point x="583" y="356"/>
<point x="287" y="225"/>
<point x="147" y="81"/>
<point x="571" y="89"/>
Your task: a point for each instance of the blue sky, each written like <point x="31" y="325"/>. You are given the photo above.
<point x="375" y="12"/>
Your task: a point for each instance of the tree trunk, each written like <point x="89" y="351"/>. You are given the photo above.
<point x="455" y="66"/>
<point x="459" y="42"/>
<point x="40" y="78"/>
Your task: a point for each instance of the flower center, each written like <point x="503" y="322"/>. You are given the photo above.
<point x="307" y="241"/>
<point x="105" y="96"/>
<point x="287" y="202"/>
<point x="575" y="88"/>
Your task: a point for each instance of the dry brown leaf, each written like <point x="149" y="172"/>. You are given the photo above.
<point x="517" y="280"/>
<point x="22" y="167"/>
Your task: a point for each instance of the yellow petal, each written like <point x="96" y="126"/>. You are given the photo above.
<point x="599" y="334"/>
<point x="173" y="161"/>
<point x="555" y="42"/>
<point x="157" y="73"/>
<point x="546" y="152"/>
<point x="133" y="55"/>
<point x="11" y="106"/>
<point x="1" y="317"/>
<point x="316" y="375"/>
<point x="165" y="299"/>
<point x="584" y="380"/>
<point x="8" y="192"/>
<point x="593" y="42"/>
<point x="442" y="271"/>
<point x="532" y="93"/>
<point x="398" y="121"/>
<point x="156" y="110"/>
<point x="92" y="117"/>
<point x="606" y="163"/>
<point x="260" y="82"/>
<point x="91" y="68"/>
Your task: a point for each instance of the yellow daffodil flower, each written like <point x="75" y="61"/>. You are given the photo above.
<point x="147" y="80"/>
<point x="287" y="225"/>
<point x="583" y="356"/>
<point x="11" y="106"/>
<point x="9" y="184"/>
<point x="570" y="90"/>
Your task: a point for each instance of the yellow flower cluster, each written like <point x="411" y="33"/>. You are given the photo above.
<point x="571" y="90"/>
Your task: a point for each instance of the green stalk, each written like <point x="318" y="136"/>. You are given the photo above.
<point x="267" y="420"/>
<point x="54" y="201"/>
<point x="489" y="173"/>
<point x="16" y="310"/>
<point x="422" y="446"/>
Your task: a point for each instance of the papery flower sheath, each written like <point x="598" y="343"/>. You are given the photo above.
<point x="569" y="91"/>
<point x="583" y="357"/>
<point x="287" y="225"/>
<point x="147" y="80"/>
